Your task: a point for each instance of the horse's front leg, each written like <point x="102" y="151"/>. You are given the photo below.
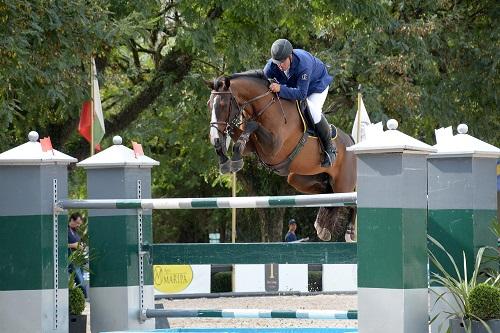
<point x="240" y="144"/>
<point x="224" y="161"/>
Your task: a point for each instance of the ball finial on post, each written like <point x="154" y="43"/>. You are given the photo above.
<point x="117" y="140"/>
<point x="462" y="129"/>
<point x="392" y="124"/>
<point x="33" y="136"/>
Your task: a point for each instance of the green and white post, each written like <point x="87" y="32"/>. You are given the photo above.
<point x="392" y="246"/>
<point x="462" y="207"/>
<point x="121" y="280"/>
<point x="34" y="241"/>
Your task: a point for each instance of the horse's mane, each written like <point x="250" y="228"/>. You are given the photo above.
<point x="253" y="74"/>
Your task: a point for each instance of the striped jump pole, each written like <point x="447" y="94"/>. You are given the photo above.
<point x="253" y="313"/>
<point x="317" y="200"/>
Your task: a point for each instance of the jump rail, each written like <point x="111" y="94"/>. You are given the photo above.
<point x="316" y="200"/>
<point x="253" y="313"/>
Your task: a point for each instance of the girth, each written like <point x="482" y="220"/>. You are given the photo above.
<point x="283" y="168"/>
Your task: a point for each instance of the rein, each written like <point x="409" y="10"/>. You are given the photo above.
<point x="232" y="124"/>
<point x="271" y="102"/>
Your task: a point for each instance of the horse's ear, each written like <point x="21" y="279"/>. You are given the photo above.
<point x="227" y="82"/>
<point x="209" y="84"/>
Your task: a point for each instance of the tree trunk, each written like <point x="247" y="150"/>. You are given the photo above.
<point x="173" y="68"/>
<point x="271" y="224"/>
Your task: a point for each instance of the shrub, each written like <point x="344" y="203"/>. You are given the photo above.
<point x="76" y="301"/>
<point x="221" y="282"/>
<point x="484" y="300"/>
<point x="315" y="281"/>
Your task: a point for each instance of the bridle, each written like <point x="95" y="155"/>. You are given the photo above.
<point x="233" y="122"/>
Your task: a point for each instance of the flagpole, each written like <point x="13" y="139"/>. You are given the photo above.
<point x="358" y="138"/>
<point x="233" y="211"/>
<point x="91" y="106"/>
<point x="358" y="132"/>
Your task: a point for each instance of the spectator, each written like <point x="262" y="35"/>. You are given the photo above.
<point x="290" y="235"/>
<point x="74" y="239"/>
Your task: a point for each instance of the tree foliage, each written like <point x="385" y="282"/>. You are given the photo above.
<point x="426" y="63"/>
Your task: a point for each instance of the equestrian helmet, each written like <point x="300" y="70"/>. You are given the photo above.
<point x="280" y="50"/>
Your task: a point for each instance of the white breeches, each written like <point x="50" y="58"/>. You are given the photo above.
<point x="315" y="102"/>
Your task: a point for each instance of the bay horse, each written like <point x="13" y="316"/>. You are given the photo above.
<point x="258" y="121"/>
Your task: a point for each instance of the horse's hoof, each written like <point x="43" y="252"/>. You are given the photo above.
<point x="236" y="165"/>
<point x="225" y="167"/>
<point x="323" y="233"/>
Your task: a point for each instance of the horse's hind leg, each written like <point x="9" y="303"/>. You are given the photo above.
<point x="311" y="184"/>
<point x="332" y="222"/>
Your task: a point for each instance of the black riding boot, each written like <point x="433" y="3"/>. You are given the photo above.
<point x="325" y="138"/>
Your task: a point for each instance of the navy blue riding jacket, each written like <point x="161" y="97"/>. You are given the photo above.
<point x="307" y="75"/>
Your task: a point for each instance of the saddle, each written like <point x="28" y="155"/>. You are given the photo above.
<point x="283" y="168"/>
<point x="305" y="114"/>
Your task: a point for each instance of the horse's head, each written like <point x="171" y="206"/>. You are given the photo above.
<point x="244" y="101"/>
<point x="225" y="118"/>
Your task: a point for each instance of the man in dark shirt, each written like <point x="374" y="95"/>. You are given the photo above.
<point x="74" y="239"/>
<point x="290" y="235"/>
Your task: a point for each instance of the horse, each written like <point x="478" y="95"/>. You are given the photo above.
<point x="258" y="121"/>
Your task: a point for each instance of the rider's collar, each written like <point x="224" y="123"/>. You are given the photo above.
<point x="294" y="64"/>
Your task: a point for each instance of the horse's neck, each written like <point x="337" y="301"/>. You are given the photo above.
<point x="281" y="125"/>
<point x="246" y="89"/>
<point x="281" y="112"/>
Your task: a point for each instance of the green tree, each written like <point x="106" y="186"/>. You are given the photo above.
<point x="426" y="63"/>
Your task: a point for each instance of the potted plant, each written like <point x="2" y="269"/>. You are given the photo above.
<point x="484" y="301"/>
<point x="77" y="261"/>
<point x="470" y="294"/>
<point x="77" y="321"/>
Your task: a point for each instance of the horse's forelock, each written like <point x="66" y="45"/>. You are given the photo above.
<point x="222" y="83"/>
<point x="217" y="84"/>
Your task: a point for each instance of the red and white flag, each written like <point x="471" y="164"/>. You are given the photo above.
<point x="91" y="125"/>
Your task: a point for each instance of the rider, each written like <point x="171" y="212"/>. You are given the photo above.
<point x="301" y="76"/>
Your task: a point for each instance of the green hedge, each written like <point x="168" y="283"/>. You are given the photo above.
<point x="315" y="281"/>
<point x="221" y="282"/>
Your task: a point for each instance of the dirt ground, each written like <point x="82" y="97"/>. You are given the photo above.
<point x="315" y="302"/>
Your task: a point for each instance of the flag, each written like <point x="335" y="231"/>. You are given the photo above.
<point x="91" y="125"/>
<point x="360" y="122"/>
<point x="46" y="144"/>
<point x="137" y="147"/>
